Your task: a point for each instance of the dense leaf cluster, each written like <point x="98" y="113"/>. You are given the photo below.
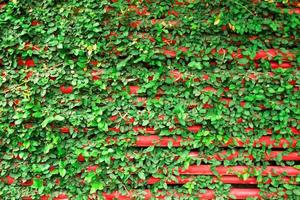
<point x="78" y="77"/>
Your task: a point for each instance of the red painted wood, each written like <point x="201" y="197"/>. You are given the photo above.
<point x="145" y="141"/>
<point x="153" y="180"/>
<point x="150" y="130"/>
<point x="142" y="101"/>
<point x="2" y="5"/>
<point x="295" y="131"/>
<point x="194" y="128"/>
<point x="45" y="197"/>
<point x="238" y="193"/>
<point x="133" y="89"/>
<point x="224" y="155"/>
<point x="250" y="180"/>
<point x="61" y="197"/>
<point x="271" y="53"/>
<point x="223" y="179"/>
<point x="285" y="65"/>
<point x="233" y="170"/>
<point x="27" y="198"/>
<point x="114" y="129"/>
<point x="27" y="183"/>
<point x="294" y="11"/>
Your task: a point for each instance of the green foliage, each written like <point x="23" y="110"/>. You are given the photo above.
<point x="66" y="74"/>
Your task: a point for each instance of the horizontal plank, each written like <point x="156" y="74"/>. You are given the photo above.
<point x="193" y="129"/>
<point x="225" y="155"/>
<point x="152" y="130"/>
<point x="223" y="179"/>
<point x="146" y="141"/>
<point x="235" y="170"/>
<point x="204" y="194"/>
<point x="238" y="193"/>
<point x="191" y="104"/>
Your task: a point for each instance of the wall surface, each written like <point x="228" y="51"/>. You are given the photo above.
<point x="148" y="99"/>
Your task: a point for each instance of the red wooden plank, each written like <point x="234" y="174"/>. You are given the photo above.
<point x="153" y="180"/>
<point x="145" y="141"/>
<point x="151" y="130"/>
<point x="2" y="5"/>
<point x="61" y="197"/>
<point x="233" y="170"/>
<point x="238" y="193"/>
<point x="142" y="101"/>
<point x="250" y="180"/>
<point x="223" y="179"/>
<point x="285" y="65"/>
<point x="224" y="155"/>
<point x="271" y="53"/>
<point x="133" y="89"/>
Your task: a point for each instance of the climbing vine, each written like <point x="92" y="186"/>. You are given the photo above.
<point x="85" y="84"/>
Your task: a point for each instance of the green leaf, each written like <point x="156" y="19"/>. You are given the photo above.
<point x="123" y="63"/>
<point x="37" y="183"/>
<point x="196" y="65"/>
<point x="51" y="119"/>
<point x="297" y="166"/>
<point x="141" y="175"/>
<point x="62" y="172"/>
<point x="47" y="121"/>
<point x="102" y="126"/>
<point x="296" y="191"/>
<point x="60" y="46"/>
<point x="47" y="148"/>
<point x="96" y="186"/>
<point x="243" y="61"/>
<point x="59" y="118"/>
<point x="245" y="176"/>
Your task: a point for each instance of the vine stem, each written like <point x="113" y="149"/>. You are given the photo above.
<point x="237" y="3"/>
<point x="125" y="188"/>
